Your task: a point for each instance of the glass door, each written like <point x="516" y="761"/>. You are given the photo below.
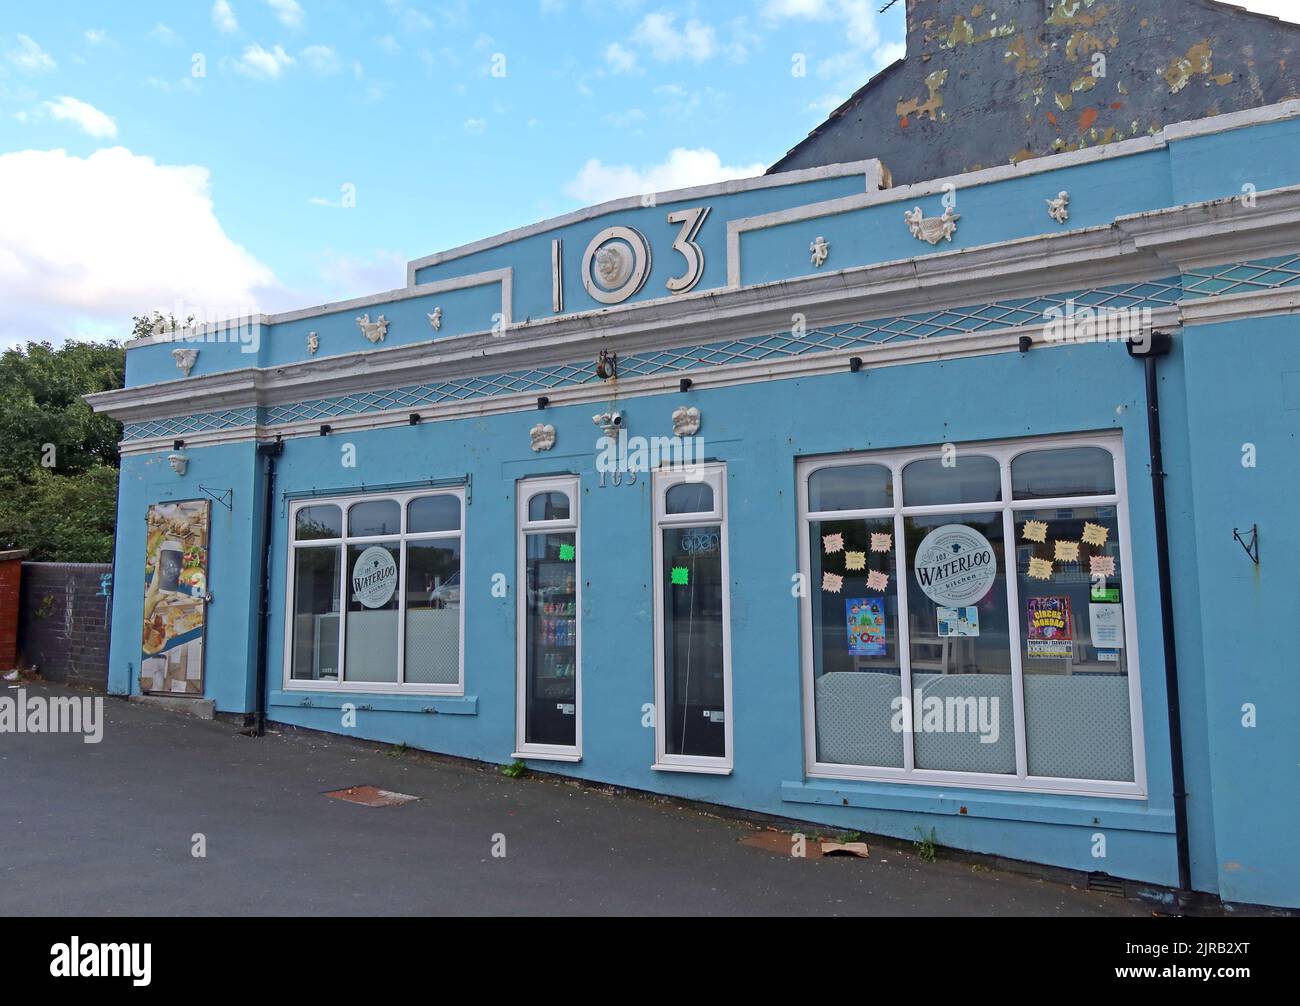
<point x="549" y="692"/>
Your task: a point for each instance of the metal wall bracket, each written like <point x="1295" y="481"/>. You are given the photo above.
<point x="226" y="497"/>
<point x="1252" y="546"/>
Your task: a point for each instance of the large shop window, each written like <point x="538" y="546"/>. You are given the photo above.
<point x="375" y="593"/>
<point x="549" y="700"/>
<point x="969" y="618"/>
<point x="692" y="621"/>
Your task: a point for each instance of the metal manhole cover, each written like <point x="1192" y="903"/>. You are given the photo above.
<point x="371" y="796"/>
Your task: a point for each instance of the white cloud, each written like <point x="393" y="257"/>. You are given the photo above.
<point x="627" y="118"/>
<point x="263" y="63"/>
<point x="847" y="70"/>
<point x="223" y="17"/>
<point x="321" y="58"/>
<point x="476" y="127"/>
<point x="343" y="276"/>
<point x="413" y="20"/>
<point x="288" y="12"/>
<point x="89" y="119"/>
<point x="164" y="34"/>
<point x="30" y="57"/>
<point x="1285" y="9"/>
<point x="96" y="36"/>
<point x="695" y="41"/>
<point x="858" y="17"/>
<point x="619" y="58"/>
<point x="95" y="240"/>
<point x="597" y="182"/>
<point x="388" y="44"/>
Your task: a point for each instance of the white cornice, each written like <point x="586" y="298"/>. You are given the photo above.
<point x="1219" y="230"/>
<point x="1240" y="306"/>
<point x="1134" y="249"/>
<point x="875" y="357"/>
<point x="969" y="276"/>
<point x="1200" y="311"/>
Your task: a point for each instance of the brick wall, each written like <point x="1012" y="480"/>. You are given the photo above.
<point x="10" y="572"/>
<point x="64" y="621"/>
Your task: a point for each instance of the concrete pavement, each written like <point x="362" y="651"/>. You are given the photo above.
<point x="107" y="829"/>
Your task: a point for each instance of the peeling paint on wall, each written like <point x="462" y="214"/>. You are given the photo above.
<point x="1197" y="61"/>
<point x="934" y="83"/>
<point x="963" y="32"/>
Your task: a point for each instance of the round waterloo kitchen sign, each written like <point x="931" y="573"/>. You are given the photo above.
<point x="374" y="577"/>
<point x="955" y="565"/>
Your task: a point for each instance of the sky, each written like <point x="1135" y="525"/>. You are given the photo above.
<point x="220" y="157"/>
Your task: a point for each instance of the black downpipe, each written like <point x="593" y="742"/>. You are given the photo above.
<point x="268" y="453"/>
<point x="1160" y="345"/>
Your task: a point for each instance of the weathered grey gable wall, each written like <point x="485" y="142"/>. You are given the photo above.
<point x="999" y="82"/>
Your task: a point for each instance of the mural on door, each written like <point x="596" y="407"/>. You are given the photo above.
<point x="175" y="598"/>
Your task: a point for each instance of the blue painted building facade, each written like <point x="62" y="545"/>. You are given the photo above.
<point x="854" y="380"/>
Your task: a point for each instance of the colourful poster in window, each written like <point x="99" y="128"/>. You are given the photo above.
<point x="1051" y="629"/>
<point x="175" y="598"/>
<point x="866" y="623"/>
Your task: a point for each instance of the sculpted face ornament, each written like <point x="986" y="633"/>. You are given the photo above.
<point x="616" y="264"/>
<point x="542" y="437"/>
<point x="185" y="360"/>
<point x="686" y="421"/>
<point x="613" y="265"/>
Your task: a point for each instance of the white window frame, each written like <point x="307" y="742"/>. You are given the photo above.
<point x="715" y="475"/>
<point x="345" y="502"/>
<point x="526" y="490"/>
<point x="1004" y="452"/>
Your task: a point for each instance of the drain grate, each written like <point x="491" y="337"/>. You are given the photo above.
<point x="371" y="796"/>
<point x="1104" y="883"/>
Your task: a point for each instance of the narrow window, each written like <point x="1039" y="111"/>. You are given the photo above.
<point x="549" y="699"/>
<point x="692" y="630"/>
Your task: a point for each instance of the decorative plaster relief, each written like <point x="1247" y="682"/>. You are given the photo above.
<point x="178" y="462"/>
<point x="313" y="343"/>
<point x="820" y="249"/>
<point x="435" y="319"/>
<point x="542" y="437"/>
<point x="686" y="421"/>
<point x="185" y="360"/>
<point x="373" y="330"/>
<point x="1059" y="208"/>
<point x="933" y="230"/>
<point x="621" y="256"/>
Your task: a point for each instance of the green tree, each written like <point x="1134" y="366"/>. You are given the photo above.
<point x="58" y="459"/>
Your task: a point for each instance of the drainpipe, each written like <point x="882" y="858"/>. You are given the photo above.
<point x="268" y="453"/>
<point x="1159" y="344"/>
